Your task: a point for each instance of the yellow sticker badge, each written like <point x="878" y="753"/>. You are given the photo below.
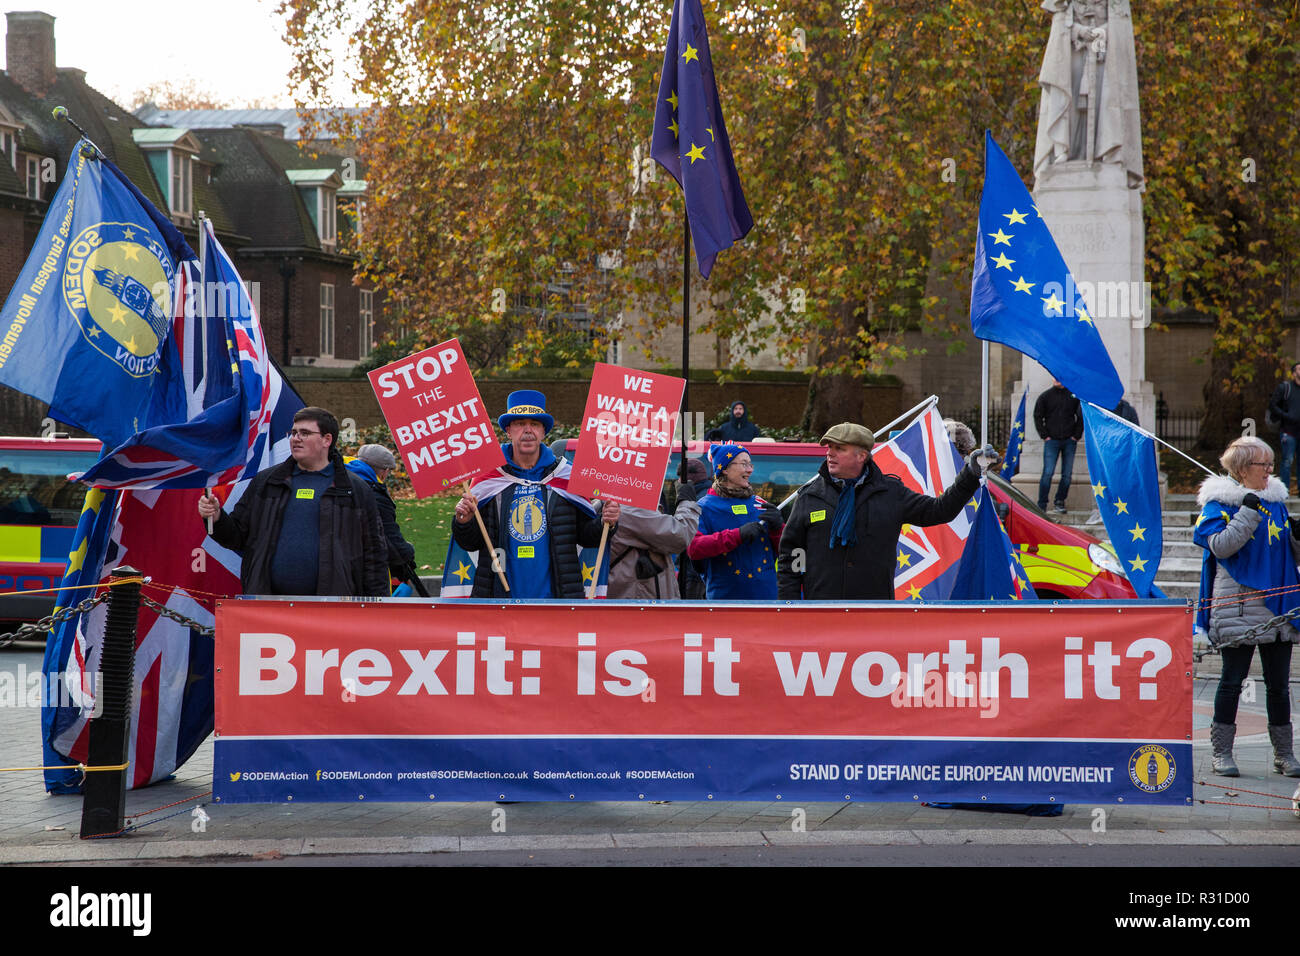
<point x="816" y="516"/>
<point x="740" y="509"/>
<point x="305" y="493"/>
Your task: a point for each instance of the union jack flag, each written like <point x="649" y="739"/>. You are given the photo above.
<point x="232" y="390"/>
<point x="925" y="459"/>
<point x="239" y="406"/>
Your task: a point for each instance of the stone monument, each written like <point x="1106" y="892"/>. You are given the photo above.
<point x="1088" y="186"/>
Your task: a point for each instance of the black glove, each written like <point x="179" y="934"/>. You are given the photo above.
<point x="1295" y="527"/>
<point x="973" y="460"/>
<point x="686" y="491"/>
<point x="772" y="516"/>
<point x="1251" y="501"/>
<point x="753" y="531"/>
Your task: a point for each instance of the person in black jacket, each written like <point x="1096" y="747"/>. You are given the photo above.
<point x="1059" y="421"/>
<point x="373" y="464"/>
<point x="736" y="429"/>
<point x="533" y="525"/>
<point x="1284" y="410"/>
<point x="841" y="540"/>
<point x="306" y="525"/>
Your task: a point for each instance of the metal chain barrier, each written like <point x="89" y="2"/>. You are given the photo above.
<point x="207" y="630"/>
<point x="37" y="631"/>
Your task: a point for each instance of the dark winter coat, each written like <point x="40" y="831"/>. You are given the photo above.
<point x="401" y="552"/>
<point x="864" y="572"/>
<point x="735" y="430"/>
<point x="1057" y="415"/>
<point x="353" y="552"/>
<point x="1285" y="406"/>
<point x="567" y="527"/>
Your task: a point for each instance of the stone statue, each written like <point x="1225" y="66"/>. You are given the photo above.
<point x="1089" y="107"/>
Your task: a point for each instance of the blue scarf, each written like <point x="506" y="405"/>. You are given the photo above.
<point x="843" y="531"/>
<point x="535" y="473"/>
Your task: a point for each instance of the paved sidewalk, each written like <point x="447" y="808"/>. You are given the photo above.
<point x="35" y="827"/>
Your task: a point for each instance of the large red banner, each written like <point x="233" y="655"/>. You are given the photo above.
<point x="1026" y="685"/>
<point x="436" y="415"/>
<point x="626" y="435"/>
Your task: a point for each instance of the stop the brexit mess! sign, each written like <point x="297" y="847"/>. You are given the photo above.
<point x="415" y="700"/>
<point x="626" y="436"/>
<point x="436" y="415"/>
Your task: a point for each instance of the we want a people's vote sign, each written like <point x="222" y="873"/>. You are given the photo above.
<point x="436" y="415"/>
<point x="626" y="436"/>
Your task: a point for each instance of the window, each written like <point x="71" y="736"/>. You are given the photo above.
<point x="8" y="144"/>
<point x="326" y="319"/>
<point x="182" y="194"/>
<point x="328" y="210"/>
<point x="171" y="154"/>
<point x="367" y="310"/>
<point x="33" y="177"/>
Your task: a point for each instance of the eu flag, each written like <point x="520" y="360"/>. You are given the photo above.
<point x="1022" y="294"/>
<point x="1126" y="486"/>
<point x="86" y="326"/>
<point x="690" y="138"/>
<point x="1015" y="441"/>
<point x="989" y="569"/>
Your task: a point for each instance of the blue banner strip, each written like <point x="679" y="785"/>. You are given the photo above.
<point x="675" y="768"/>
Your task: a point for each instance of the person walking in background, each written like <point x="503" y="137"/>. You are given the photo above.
<point x="1059" y="421"/>
<point x="1284" y="413"/>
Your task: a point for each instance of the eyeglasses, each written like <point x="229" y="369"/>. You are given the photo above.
<point x="299" y="433"/>
<point x="1264" y="464"/>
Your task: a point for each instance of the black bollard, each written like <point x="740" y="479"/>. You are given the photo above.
<point x="103" y="809"/>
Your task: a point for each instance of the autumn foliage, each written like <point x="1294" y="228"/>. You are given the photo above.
<point x="509" y="185"/>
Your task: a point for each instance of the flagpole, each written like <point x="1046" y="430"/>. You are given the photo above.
<point x="686" y="334"/>
<point x="932" y="400"/>
<point x="1143" y="431"/>
<point x="984" y="394"/>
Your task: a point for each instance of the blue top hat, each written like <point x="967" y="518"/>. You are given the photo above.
<point x="526" y="403"/>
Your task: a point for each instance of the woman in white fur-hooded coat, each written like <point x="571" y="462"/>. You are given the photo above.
<point x="1248" y="577"/>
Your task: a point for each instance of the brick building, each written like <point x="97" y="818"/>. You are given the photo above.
<point x="284" y="212"/>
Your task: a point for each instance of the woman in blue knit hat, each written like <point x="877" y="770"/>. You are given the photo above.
<point x="738" y="532"/>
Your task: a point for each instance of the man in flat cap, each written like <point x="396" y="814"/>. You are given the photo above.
<point x="842" y="536"/>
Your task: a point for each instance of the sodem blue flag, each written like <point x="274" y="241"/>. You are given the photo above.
<point x="1126" y="486"/>
<point x="86" y="326"/>
<point x="1022" y="294"/>
<point x="690" y="139"/>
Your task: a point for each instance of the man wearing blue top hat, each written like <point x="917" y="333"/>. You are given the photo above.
<point x="529" y="512"/>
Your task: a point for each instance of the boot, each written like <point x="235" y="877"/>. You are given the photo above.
<point x="1284" y="761"/>
<point x="1221" y="738"/>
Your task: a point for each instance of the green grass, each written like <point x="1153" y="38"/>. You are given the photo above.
<point x="426" y="523"/>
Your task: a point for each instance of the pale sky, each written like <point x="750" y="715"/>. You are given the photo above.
<point x="233" y="49"/>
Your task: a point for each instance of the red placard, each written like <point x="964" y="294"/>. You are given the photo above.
<point x="437" y="418"/>
<point x="626" y="436"/>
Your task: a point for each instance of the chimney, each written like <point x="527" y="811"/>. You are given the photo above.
<point x="29" y="48"/>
